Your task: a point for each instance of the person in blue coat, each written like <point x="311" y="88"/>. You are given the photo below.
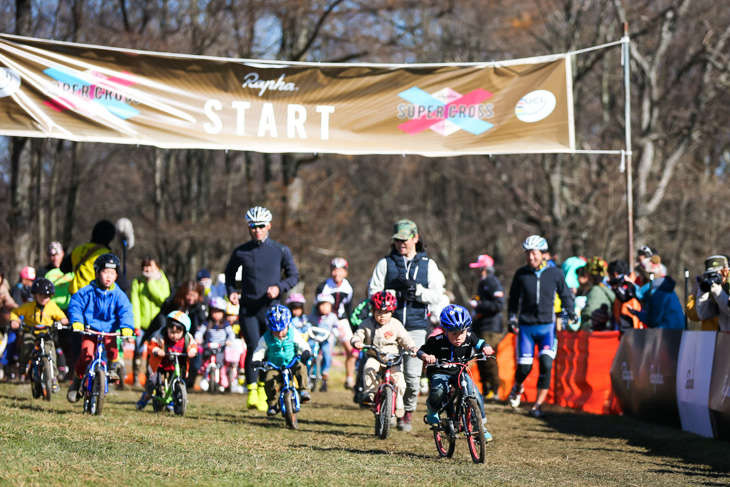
<point x="100" y="306"/>
<point x="660" y="304"/>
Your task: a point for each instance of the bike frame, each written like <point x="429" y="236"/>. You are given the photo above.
<point x="384" y="376"/>
<point x="456" y="398"/>
<point x="98" y="360"/>
<point x="168" y="382"/>
<point x="39" y="349"/>
<point x="287" y="383"/>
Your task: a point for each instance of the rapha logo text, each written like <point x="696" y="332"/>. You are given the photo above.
<point x="252" y="81"/>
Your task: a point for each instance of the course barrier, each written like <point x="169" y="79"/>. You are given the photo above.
<point x="672" y="377"/>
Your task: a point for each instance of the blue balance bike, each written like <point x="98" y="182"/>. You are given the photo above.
<point x="288" y="403"/>
<point x="95" y="384"/>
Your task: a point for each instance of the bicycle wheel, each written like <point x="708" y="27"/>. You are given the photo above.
<point x="445" y="441"/>
<point x="44" y="374"/>
<point x="291" y="416"/>
<point x="179" y="398"/>
<point x="385" y="411"/>
<point x="474" y="429"/>
<point x="215" y="379"/>
<point x="97" y="392"/>
<point x="36" y="388"/>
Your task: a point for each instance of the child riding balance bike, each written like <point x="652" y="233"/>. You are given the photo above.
<point x="382" y="334"/>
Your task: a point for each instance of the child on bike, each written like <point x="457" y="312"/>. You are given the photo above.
<point x="454" y="345"/>
<point x="100" y="306"/>
<point x="216" y="333"/>
<point x="327" y="320"/>
<point x="279" y="345"/>
<point x="175" y="337"/>
<point x="295" y="302"/>
<point x="38" y="315"/>
<point x="388" y="335"/>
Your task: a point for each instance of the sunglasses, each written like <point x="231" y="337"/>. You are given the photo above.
<point x="256" y="225"/>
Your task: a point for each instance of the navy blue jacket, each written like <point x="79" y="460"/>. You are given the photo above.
<point x="532" y="293"/>
<point x="413" y="314"/>
<point x="488" y="313"/>
<point x="263" y="264"/>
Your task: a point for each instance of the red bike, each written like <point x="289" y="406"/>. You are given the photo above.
<point x="384" y="403"/>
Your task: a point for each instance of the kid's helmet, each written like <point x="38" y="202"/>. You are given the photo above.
<point x="107" y="261"/>
<point x="43" y="286"/>
<point x="339" y="263"/>
<point x="218" y="303"/>
<point x="324" y="298"/>
<point x="384" y="301"/>
<point x="296" y="298"/>
<point x="455" y="318"/>
<point x="278" y="318"/>
<point x="179" y="318"/>
<point x="258" y="214"/>
<point x="535" y="242"/>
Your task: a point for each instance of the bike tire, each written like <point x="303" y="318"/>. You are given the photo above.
<point x="179" y="398"/>
<point x="289" y="414"/>
<point x="474" y="429"/>
<point x="45" y="379"/>
<point x="96" y="401"/>
<point x="36" y="389"/>
<point x="215" y="380"/>
<point x="385" y="412"/>
<point x="445" y="442"/>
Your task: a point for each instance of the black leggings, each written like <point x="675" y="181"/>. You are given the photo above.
<point x="253" y="325"/>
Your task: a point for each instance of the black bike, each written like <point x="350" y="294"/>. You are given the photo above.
<point x="41" y="363"/>
<point x="460" y="414"/>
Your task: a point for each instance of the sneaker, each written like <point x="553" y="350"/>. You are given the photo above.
<point x="253" y="397"/>
<point x="490" y="396"/>
<point x="536" y="411"/>
<point x="515" y="397"/>
<point x="323" y="386"/>
<point x="487" y="436"/>
<point x="368" y="399"/>
<point x="404" y="424"/>
<point x="432" y="417"/>
<point x="170" y="408"/>
<point x="204" y="385"/>
<point x="73" y="390"/>
<point x="349" y="383"/>
<point x="55" y="388"/>
<point x="140" y="405"/>
<point x="304" y="396"/>
<point x="271" y="411"/>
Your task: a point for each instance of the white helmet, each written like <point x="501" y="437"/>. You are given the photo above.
<point x="258" y="214"/>
<point x="535" y="242"/>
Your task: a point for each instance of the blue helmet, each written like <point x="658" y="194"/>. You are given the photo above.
<point x="455" y="318"/>
<point x="179" y="318"/>
<point x="278" y="318"/>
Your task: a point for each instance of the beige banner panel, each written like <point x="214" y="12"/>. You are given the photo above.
<point x="100" y="94"/>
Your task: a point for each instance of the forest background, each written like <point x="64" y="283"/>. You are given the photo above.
<point x="187" y="206"/>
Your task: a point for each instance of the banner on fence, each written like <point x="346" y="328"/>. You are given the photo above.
<point x="719" y="401"/>
<point x="101" y="94"/>
<point x="694" y="368"/>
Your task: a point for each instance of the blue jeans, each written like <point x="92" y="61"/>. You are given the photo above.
<point x="440" y="387"/>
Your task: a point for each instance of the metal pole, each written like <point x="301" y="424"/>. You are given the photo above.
<point x="626" y="55"/>
<point x="686" y="296"/>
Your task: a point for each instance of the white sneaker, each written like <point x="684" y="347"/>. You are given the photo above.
<point x="515" y="396"/>
<point x="204" y="385"/>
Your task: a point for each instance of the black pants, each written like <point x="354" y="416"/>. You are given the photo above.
<point x="253" y="325"/>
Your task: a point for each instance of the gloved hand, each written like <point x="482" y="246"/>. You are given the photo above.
<point x="403" y="283"/>
<point x="513" y="325"/>
<point x="572" y="316"/>
<point x="306" y="355"/>
<point x="127" y="332"/>
<point x="256" y="364"/>
<point x="78" y="327"/>
<point x="409" y="293"/>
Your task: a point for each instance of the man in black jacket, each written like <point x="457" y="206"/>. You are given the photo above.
<point x="267" y="271"/>
<point x="487" y="305"/>
<point x="532" y="294"/>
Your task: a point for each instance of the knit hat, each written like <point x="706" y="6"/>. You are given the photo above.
<point x="597" y="267"/>
<point x="654" y="266"/>
<point x="54" y="248"/>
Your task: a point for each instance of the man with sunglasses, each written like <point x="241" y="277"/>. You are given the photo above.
<point x="417" y="283"/>
<point x="267" y="271"/>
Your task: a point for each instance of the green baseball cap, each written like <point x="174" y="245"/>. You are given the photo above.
<point x="715" y="263"/>
<point x="404" y="229"/>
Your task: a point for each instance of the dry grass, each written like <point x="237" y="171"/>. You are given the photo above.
<point x="219" y="442"/>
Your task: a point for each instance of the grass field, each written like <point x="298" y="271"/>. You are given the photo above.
<point x="219" y="442"/>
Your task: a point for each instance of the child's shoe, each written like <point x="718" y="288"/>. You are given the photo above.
<point x="323" y="385"/>
<point x="262" y="405"/>
<point x="432" y="417"/>
<point x="55" y="388"/>
<point x="73" y="390"/>
<point x="515" y="397"/>
<point x="204" y="385"/>
<point x="487" y="436"/>
<point x="424" y="386"/>
<point x="271" y="411"/>
<point x="349" y="383"/>
<point x="404" y="423"/>
<point x="170" y="408"/>
<point x="253" y="397"/>
<point x="304" y="396"/>
<point x="368" y="399"/>
<point x="143" y="401"/>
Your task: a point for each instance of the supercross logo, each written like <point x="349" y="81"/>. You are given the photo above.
<point x="445" y="111"/>
<point x="689" y="384"/>
<point x="655" y="376"/>
<point x="626" y="375"/>
<point x="90" y="92"/>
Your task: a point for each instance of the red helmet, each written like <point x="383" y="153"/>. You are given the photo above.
<point x="383" y="301"/>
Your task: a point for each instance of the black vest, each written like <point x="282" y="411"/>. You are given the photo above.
<point x="413" y="315"/>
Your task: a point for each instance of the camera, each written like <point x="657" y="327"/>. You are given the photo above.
<point x="708" y="280"/>
<point x="617" y="281"/>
